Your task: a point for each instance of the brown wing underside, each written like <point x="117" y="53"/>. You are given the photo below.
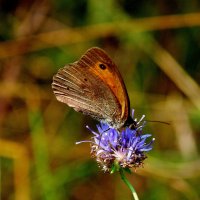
<point x="97" y="92"/>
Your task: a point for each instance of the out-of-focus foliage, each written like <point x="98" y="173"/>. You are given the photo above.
<point x="156" y="45"/>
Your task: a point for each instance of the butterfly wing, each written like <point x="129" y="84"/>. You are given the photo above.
<point x="94" y="86"/>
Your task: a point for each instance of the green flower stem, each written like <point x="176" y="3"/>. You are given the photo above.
<point x="123" y="177"/>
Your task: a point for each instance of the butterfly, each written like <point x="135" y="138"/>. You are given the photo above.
<point x="94" y="86"/>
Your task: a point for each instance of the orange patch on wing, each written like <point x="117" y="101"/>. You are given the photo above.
<point x="112" y="79"/>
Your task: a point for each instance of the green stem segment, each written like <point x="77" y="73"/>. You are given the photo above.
<point x="123" y="177"/>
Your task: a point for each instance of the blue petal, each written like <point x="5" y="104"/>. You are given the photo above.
<point x="145" y="136"/>
<point x="146" y="148"/>
<point x="134" y="144"/>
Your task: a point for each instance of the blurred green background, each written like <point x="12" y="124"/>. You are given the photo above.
<point x="156" y="45"/>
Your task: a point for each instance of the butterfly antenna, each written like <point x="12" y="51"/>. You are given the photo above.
<point x="161" y="122"/>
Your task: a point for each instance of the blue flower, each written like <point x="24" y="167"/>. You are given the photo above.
<point x="125" y="148"/>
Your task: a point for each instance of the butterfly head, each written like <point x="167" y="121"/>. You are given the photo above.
<point x="131" y="123"/>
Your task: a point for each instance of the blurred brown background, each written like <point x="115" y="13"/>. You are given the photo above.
<point x="156" y="45"/>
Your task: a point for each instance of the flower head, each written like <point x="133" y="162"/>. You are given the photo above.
<point x="125" y="148"/>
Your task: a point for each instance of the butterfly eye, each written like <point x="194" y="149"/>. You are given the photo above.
<point x="102" y="66"/>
